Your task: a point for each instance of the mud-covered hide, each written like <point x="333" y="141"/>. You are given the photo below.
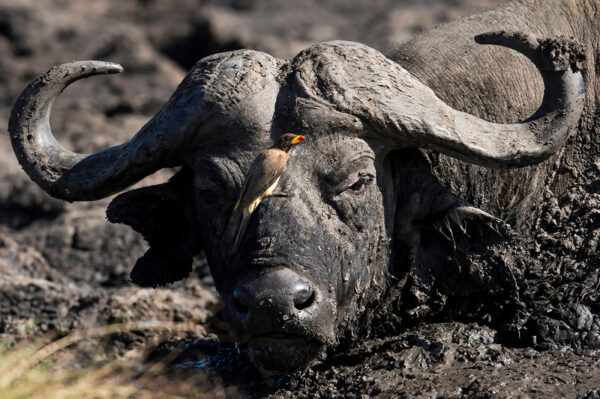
<point x="436" y="237"/>
<point x="363" y="225"/>
<point x="508" y="89"/>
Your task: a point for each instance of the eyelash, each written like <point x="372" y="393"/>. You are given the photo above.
<point x="359" y="185"/>
<point x="209" y="196"/>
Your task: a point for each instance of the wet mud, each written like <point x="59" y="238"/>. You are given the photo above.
<point x="64" y="267"/>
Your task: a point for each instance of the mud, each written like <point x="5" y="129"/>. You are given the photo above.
<point x="64" y="267"/>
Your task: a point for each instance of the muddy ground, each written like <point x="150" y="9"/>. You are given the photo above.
<point x="64" y="267"/>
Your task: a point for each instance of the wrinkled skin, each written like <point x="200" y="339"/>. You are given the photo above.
<point x="360" y="215"/>
<point x="301" y="232"/>
<point x="505" y="90"/>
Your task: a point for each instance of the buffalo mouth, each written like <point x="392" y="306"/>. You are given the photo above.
<point x="280" y="353"/>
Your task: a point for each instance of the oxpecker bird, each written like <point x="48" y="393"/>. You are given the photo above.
<point x="261" y="180"/>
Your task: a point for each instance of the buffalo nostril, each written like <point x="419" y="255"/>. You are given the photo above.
<point x="240" y="300"/>
<point x="304" y="295"/>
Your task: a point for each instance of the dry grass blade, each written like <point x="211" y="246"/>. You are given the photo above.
<point x="107" y="381"/>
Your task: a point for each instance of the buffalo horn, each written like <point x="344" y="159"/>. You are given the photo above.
<point x="475" y="140"/>
<point x="81" y="177"/>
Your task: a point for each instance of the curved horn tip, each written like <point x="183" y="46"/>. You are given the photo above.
<point x="511" y="39"/>
<point x="555" y="54"/>
<point x="96" y="67"/>
<point x="111" y="67"/>
<point x="82" y="69"/>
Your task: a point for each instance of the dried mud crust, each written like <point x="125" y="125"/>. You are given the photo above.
<point x="65" y="267"/>
<point x="561" y="53"/>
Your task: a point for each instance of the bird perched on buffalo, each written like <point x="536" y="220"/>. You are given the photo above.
<point x="261" y="180"/>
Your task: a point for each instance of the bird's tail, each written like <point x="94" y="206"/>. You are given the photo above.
<point x="241" y="230"/>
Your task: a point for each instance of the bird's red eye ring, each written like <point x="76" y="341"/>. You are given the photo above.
<point x="288" y="138"/>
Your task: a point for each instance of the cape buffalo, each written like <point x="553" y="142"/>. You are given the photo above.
<point x="403" y="175"/>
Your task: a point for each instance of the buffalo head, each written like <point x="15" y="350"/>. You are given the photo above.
<point x="318" y="255"/>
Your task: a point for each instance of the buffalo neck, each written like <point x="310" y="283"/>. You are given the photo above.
<point x="491" y="82"/>
<point x="499" y="85"/>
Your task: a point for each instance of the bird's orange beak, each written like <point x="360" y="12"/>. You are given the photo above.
<point x="298" y="139"/>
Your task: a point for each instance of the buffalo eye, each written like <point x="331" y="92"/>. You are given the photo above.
<point x="359" y="185"/>
<point x="209" y="196"/>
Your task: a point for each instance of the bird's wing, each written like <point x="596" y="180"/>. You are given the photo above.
<point x="264" y="171"/>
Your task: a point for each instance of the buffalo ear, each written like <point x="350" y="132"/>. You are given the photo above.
<point x="468" y="222"/>
<point x="160" y="266"/>
<point x="156" y="210"/>
<point x="424" y="206"/>
<point x="161" y="214"/>
<point x="441" y="240"/>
